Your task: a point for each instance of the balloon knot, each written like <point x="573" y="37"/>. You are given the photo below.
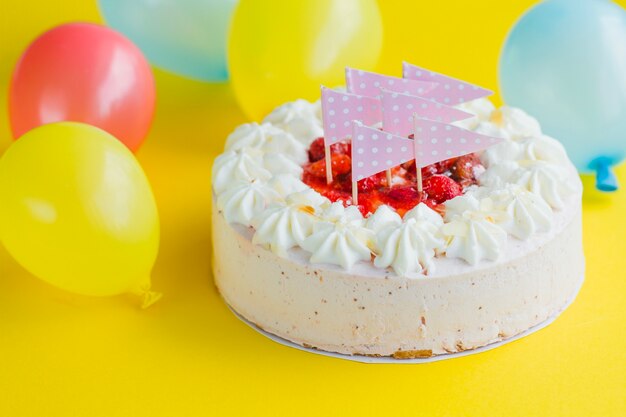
<point x="147" y="296"/>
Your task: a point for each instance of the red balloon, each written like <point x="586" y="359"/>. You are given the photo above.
<point x="84" y="73"/>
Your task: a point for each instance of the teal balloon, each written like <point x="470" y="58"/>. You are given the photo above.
<point x="564" y="62"/>
<point x="187" y="37"/>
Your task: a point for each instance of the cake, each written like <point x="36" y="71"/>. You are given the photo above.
<point x="489" y="250"/>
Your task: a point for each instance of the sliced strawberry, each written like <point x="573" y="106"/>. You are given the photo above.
<point x="341" y="164"/>
<point x="427" y="171"/>
<point x="373" y="183"/>
<point x="341" y="148"/>
<point x="440" y="188"/>
<point x="403" y="194"/>
<point x="336" y="195"/>
<point x="409" y="166"/>
<point x="403" y="198"/>
<point x="369" y="202"/>
<point x="464" y="167"/>
<point x="316" y="169"/>
<point x="317" y="150"/>
<point x="444" y="166"/>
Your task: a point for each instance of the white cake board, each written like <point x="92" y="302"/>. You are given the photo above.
<point x="371" y="359"/>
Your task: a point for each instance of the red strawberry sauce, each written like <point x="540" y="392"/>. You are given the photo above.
<point x="441" y="181"/>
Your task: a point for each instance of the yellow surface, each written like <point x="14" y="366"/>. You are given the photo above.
<point x="66" y="355"/>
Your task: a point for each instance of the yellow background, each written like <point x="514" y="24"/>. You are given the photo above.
<point x="65" y="355"/>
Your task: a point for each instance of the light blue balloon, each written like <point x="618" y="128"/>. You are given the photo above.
<point x="565" y="63"/>
<point x="187" y="37"/>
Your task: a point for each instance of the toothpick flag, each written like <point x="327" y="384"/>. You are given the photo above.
<point x="374" y="151"/>
<point x="339" y="109"/>
<point x="369" y="84"/>
<point x="450" y="90"/>
<point x="439" y="141"/>
<point x="398" y="110"/>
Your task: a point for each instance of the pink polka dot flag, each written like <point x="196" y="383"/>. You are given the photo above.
<point x="369" y="84"/>
<point x="374" y="150"/>
<point x="398" y="110"/>
<point x="450" y="90"/>
<point x="435" y="141"/>
<point x="339" y="109"/>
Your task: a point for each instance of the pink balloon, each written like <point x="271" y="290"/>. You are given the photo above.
<point x="84" y="73"/>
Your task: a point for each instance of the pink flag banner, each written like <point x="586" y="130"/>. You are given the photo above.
<point x="369" y="84"/>
<point x="339" y="109"/>
<point x="374" y="150"/>
<point x="398" y="110"/>
<point x="437" y="142"/>
<point x="450" y="90"/>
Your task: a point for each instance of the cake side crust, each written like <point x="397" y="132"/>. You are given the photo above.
<point x="387" y="315"/>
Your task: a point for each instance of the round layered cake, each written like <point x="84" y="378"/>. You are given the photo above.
<point x="491" y="248"/>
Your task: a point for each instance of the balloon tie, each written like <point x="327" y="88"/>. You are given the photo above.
<point x="605" y="178"/>
<point x="148" y="297"/>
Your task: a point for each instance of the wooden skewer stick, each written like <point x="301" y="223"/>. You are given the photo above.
<point x="388" y="172"/>
<point x="418" y="177"/>
<point x="355" y="193"/>
<point x="329" y="168"/>
<point x="418" y="169"/>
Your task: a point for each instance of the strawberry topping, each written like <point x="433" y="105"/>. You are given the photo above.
<point x="341" y="164"/>
<point x="440" y="188"/>
<point x="442" y="181"/>
<point x="317" y="149"/>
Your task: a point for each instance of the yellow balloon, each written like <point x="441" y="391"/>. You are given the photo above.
<point x="283" y="50"/>
<point x="76" y="210"/>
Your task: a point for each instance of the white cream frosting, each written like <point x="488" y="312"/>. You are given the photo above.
<point x="549" y="181"/>
<point x="300" y="118"/>
<point x="497" y="175"/>
<point x="383" y="217"/>
<point x="286" y="184"/>
<point x="340" y="237"/>
<point x="278" y="163"/>
<point x="250" y="135"/>
<point x="538" y="163"/>
<point x="526" y="213"/>
<point x="492" y="129"/>
<point x="286" y="225"/>
<point x="526" y="177"/>
<point x="545" y="180"/>
<point x="545" y="148"/>
<point x="470" y="231"/>
<point x="267" y="138"/>
<point x="516" y="122"/>
<point x="507" y="151"/>
<point x="480" y="108"/>
<point x="535" y="148"/>
<point x="410" y="246"/>
<point x="519" y="212"/>
<point x="245" y="199"/>
<point x="243" y="165"/>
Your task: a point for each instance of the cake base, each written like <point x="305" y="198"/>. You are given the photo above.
<point x="373" y="312"/>
<point x="405" y="359"/>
